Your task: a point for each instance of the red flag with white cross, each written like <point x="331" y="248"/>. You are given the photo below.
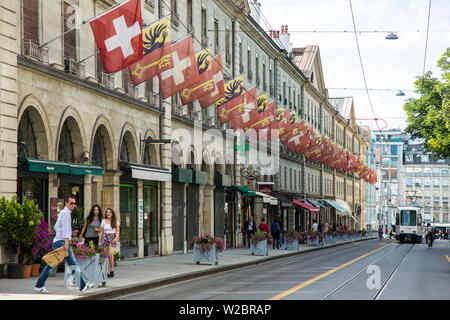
<point x="219" y="84"/>
<point x="118" y="35"/>
<point x="184" y="72"/>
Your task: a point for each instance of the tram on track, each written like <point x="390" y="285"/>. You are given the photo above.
<point x="408" y="225"/>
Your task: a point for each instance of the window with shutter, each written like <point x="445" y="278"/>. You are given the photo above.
<point x="100" y="67"/>
<point x="69" y="37"/>
<point x="30" y="21"/>
<point x="126" y="79"/>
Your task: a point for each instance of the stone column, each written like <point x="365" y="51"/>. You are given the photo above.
<point x="207" y="209"/>
<point x="8" y="98"/>
<point x="111" y="189"/>
<point x="166" y="238"/>
<point x="87" y="188"/>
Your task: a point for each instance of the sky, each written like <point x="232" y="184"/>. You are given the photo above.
<point x="388" y="64"/>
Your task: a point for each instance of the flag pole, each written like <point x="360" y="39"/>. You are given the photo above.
<point x="84" y="22"/>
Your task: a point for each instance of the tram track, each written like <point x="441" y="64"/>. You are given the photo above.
<point x="385" y="283"/>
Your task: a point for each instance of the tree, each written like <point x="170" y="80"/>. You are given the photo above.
<point x="428" y="117"/>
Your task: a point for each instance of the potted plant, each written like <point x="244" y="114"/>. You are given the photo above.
<point x="258" y="243"/>
<point x="18" y="224"/>
<point x="42" y="244"/>
<point x="92" y="261"/>
<point x="207" y="248"/>
<point x="330" y="236"/>
<point x="314" y="237"/>
<point x="77" y="222"/>
<point x="292" y="240"/>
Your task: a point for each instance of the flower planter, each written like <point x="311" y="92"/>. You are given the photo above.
<point x="259" y="248"/>
<point x="209" y="255"/>
<point x="26" y="272"/>
<point x="15" y="270"/>
<point x="35" y="270"/>
<point x="291" y="244"/>
<point x="330" y="238"/>
<point x="313" y="243"/>
<point x="93" y="270"/>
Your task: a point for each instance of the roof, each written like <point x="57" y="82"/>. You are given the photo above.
<point x="304" y="58"/>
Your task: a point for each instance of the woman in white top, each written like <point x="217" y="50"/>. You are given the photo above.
<point x="109" y="236"/>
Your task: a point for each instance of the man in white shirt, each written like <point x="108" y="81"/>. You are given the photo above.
<point x="63" y="229"/>
<point x="315" y="225"/>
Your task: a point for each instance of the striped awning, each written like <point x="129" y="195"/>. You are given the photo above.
<point x="305" y="206"/>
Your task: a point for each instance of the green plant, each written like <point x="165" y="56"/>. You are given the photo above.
<point x="77" y="221"/>
<point x="206" y="242"/>
<point x="18" y="224"/>
<point x="260" y="236"/>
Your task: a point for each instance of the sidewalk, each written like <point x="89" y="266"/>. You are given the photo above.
<point x="141" y="274"/>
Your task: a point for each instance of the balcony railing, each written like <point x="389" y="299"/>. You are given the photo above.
<point x="33" y="51"/>
<point x="107" y="80"/>
<point x="74" y="67"/>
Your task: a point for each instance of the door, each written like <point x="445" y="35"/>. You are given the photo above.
<point x="178" y="216"/>
<point x="192" y="212"/>
<point x="150" y="221"/>
<point x="219" y="212"/>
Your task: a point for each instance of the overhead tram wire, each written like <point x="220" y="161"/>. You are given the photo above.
<point x="362" y="66"/>
<point x="426" y="41"/>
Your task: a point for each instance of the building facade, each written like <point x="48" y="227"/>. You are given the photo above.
<point x="67" y="127"/>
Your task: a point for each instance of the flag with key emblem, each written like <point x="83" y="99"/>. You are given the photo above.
<point x="219" y="84"/>
<point x="232" y="104"/>
<point x="184" y="72"/>
<point x="249" y="111"/>
<point x="205" y="84"/>
<point x="118" y="35"/>
<point x="157" y="52"/>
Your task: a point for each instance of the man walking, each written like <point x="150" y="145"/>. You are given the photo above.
<point x="249" y="228"/>
<point x="275" y="229"/>
<point x="63" y="229"/>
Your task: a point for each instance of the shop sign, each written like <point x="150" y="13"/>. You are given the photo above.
<point x="266" y="188"/>
<point x="141" y="214"/>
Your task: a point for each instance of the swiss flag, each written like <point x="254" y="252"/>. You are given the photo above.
<point x="249" y="112"/>
<point x="219" y="84"/>
<point x="184" y="72"/>
<point x="118" y="35"/>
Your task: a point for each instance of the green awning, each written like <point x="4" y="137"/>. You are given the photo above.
<point x="335" y="205"/>
<point x="246" y="191"/>
<point x="317" y="203"/>
<point x="82" y="169"/>
<point x="38" y="165"/>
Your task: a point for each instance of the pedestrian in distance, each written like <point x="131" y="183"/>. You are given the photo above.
<point x="314" y="226"/>
<point x="263" y="226"/>
<point x="63" y="236"/>
<point x="380" y="232"/>
<point x="91" y="226"/>
<point x="109" y="237"/>
<point x="275" y="229"/>
<point x="249" y="228"/>
<point x="326" y="226"/>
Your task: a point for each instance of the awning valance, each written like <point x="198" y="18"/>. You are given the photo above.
<point x="285" y="202"/>
<point x="266" y="198"/>
<point x="38" y="165"/>
<point x="246" y="191"/>
<point x="335" y="205"/>
<point x="316" y="203"/>
<point x="306" y="206"/>
<point x="82" y="169"/>
<point x="150" y="173"/>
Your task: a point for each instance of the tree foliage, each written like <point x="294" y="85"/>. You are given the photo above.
<point x="428" y="116"/>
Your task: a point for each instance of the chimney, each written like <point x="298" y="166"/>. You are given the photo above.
<point x="278" y="33"/>
<point x="286" y="28"/>
<point x="270" y="33"/>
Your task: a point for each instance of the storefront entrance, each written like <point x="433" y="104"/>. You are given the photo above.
<point x="128" y="221"/>
<point x="178" y="216"/>
<point x="151" y="221"/>
<point x="192" y="212"/>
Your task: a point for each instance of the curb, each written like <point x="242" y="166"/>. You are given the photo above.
<point x="135" y="288"/>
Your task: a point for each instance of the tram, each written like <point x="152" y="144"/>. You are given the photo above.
<point x="408" y="225"/>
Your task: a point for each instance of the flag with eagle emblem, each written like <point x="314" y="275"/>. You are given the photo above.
<point x="232" y="104"/>
<point x="250" y="111"/>
<point x="205" y="84"/>
<point x="219" y="84"/>
<point x="157" y="52"/>
<point x="292" y="130"/>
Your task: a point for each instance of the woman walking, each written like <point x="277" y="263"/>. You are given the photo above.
<point x="91" y="226"/>
<point x="109" y="236"/>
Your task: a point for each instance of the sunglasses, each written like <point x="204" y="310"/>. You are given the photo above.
<point x="72" y="203"/>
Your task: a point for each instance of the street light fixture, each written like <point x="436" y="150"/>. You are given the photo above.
<point x="391" y="36"/>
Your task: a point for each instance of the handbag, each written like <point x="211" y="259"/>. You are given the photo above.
<point x="56" y="256"/>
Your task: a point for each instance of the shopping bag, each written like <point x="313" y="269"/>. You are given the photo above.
<point x="56" y="256"/>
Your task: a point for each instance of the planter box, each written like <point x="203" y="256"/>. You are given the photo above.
<point x="210" y="256"/>
<point x="291" y="245"/>
<point x="93" y="270"/>
<point x="329" y="239"/>
<point x="313" y="243"/>
<point x="260" y="248"/>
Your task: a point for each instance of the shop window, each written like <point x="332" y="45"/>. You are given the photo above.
<point x="128" y="223"/>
